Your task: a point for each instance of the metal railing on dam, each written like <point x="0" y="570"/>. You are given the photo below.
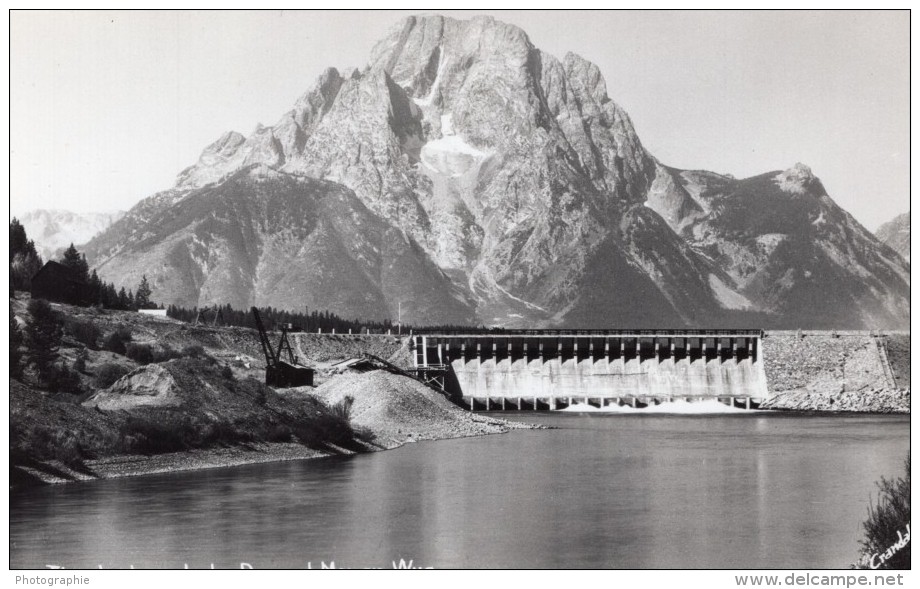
<point x="549" y="369"/>
<point x="502" y="332"/>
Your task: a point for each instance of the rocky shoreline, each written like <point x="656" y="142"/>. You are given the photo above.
<point x="54" y="472"/>
<point x="388" y="411"/>
<point x="873" y="400"/>
<point x="846" y="372"/>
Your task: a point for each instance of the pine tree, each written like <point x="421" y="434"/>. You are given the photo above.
<point x="19" y="241"/>
<point x="76" y="262"/>
<point x="71" y="257"/>
<point x="83" y="268"/>
<point x="44" y="330"/>
<point x="96" y="293"/>
<point x="142" y="297"/>
<point x="24" y="259"/>
<point x="109" y="296"/>
<point x="23" y="268"/>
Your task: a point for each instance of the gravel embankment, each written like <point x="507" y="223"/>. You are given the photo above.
<point x="823" y="363"/>
<point x="397" y="409"/>
<point x="898" y="348"/>
<point x="853" y="372"/>
<point x="867" y="401"/>
<point x="322" y="348"/>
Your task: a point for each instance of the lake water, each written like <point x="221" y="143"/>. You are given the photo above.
<point x="626" y="491"/>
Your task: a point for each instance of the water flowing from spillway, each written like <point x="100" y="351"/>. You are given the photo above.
<point x="678" y="407"/>
<point x="616" y="378"/>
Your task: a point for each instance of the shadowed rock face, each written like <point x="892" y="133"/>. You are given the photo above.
<point x="263" y="237"/>
<point x="524" y="192"/>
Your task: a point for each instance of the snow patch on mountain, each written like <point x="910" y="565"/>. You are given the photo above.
<point x="447" y="124"/>
<point x="452" y="156"/>
<point x="434" y="85"/>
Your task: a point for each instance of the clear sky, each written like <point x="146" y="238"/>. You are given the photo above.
<point x="107" y="107"/>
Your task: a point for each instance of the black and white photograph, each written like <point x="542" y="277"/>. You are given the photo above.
<point x="451" y="289"/>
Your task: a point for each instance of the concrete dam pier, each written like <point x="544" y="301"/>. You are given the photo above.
<point x="546" y="370"/>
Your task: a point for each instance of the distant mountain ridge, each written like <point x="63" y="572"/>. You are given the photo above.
<point x="896" y="235"/>
<point x="476" y="178"/>
<point x="53" y="230"/>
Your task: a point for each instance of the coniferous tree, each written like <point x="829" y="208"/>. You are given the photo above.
<point x="71" y="257"/>
<point x="24" y="259"/>
<point x="110" y="296"/>
<point x="19" y="242"/>
<point x="83" y="268"/>
<point x="123" y="302"/>
<point x="96" y="293"/>
<point x="76" y="262"/>
<point x="142" y="297"/>
<point x="44" y="330"/>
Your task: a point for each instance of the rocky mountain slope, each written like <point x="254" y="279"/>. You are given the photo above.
<point x="896" y="235"/>
<point x="53" y="230"/>
<point x="473" y="177"/>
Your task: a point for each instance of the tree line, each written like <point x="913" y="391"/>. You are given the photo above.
<point x="103" y="293"/>
<point x="273" y="318"/>
<point x="309" y="321"/>
<point x="25" y="262"/>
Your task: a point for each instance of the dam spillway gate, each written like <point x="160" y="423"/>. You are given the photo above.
<point x="547" y="370"/>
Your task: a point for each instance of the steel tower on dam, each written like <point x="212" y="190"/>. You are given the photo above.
<point x="546" y="369"/>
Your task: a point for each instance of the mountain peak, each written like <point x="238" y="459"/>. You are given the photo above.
<point x="227" y="143"/>
<point x="509" y="184"/>
<point x="798" y="179"/>
<point x="896" y="235"/>
<point x="415" y="42"/>
<point x="52" y="230"/>
<point x="580" y="70"/>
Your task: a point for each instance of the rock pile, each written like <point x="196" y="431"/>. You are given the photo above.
<point x="397" y="409"/>
<point x="313" y="348"/>
<point x="150" y="385"/>
<point x="873" y="400"/>
<point x="823" y="363"/>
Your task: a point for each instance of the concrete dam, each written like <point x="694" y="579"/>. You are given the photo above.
<point x="546" y="370"/>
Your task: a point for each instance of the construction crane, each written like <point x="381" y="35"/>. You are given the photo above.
<point x="282" y="369"/>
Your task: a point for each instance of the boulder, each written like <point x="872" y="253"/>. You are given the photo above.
<point x="151" y="386"/>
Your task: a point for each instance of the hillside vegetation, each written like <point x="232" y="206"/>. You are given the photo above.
<point x="141" y="385"/>
<point x="123" y="393"/>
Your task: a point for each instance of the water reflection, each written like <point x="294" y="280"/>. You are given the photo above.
<point x="603" y="491"/>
